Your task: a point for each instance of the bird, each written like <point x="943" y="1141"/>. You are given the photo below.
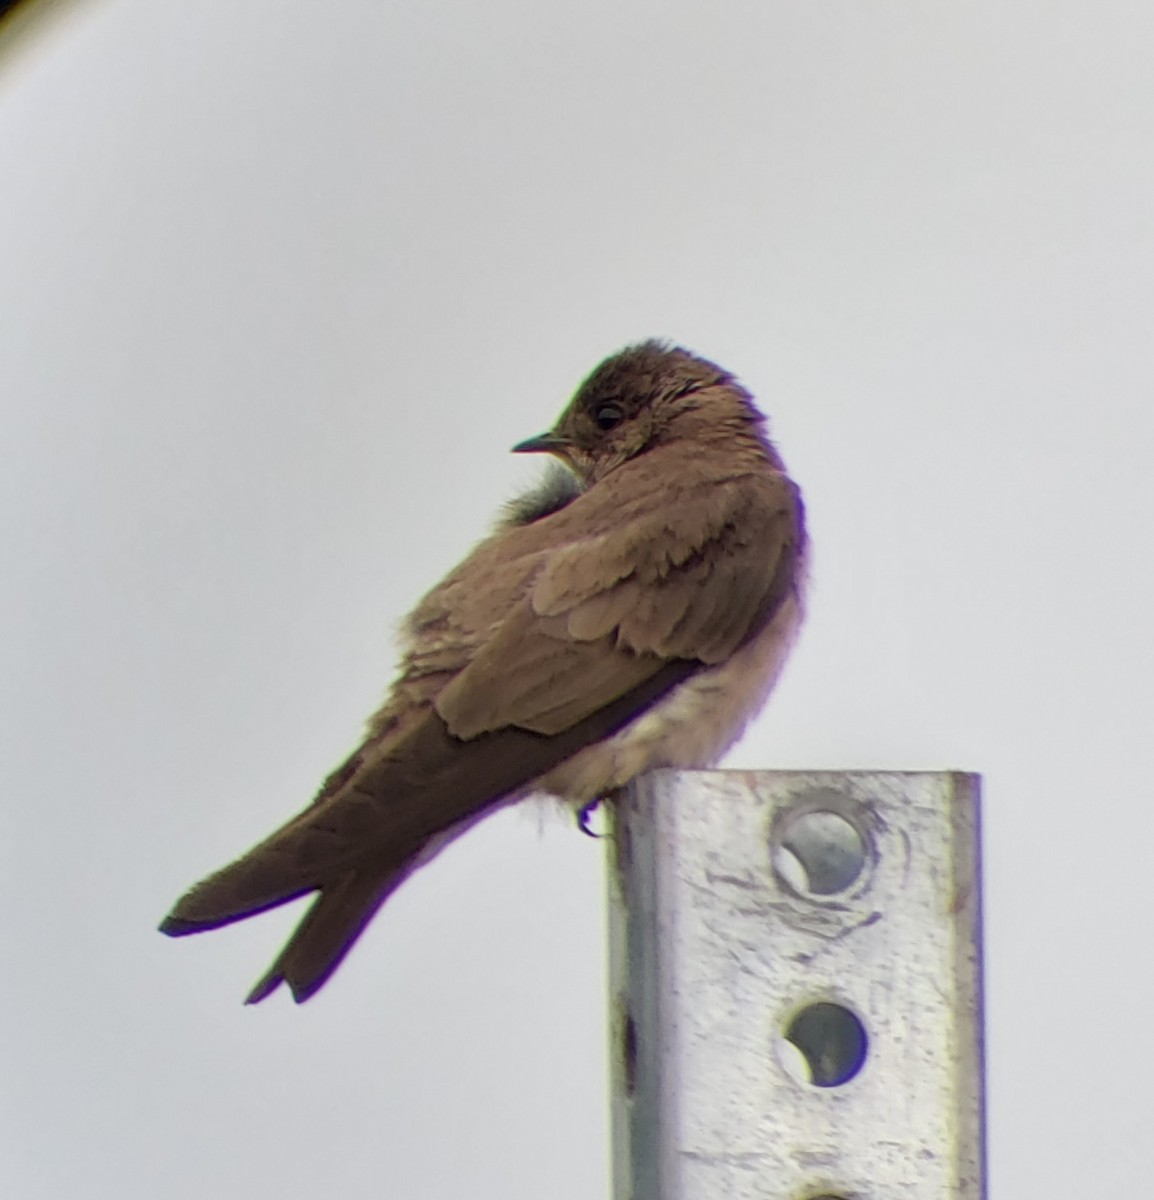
<point x="632" y="612"/>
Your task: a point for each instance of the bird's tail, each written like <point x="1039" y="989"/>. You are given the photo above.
<point x="349" y="888"/>
<point x="339" y="916"/>
<point x="320" y="942"/>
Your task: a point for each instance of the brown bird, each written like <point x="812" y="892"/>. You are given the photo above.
<point x="634" y="617"/>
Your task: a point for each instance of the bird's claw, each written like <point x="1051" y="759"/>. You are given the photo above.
<point x="584" y="815"/>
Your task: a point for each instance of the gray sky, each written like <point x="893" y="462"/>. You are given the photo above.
<point x="278" y="292"/>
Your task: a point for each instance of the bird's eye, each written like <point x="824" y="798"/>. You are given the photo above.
<point x="607" y="416"/>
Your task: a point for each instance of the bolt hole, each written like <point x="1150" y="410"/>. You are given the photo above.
<point x="819" y="853"/>
<point x="825" y="1046"/>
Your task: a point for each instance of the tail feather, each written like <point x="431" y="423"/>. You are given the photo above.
<point x="340" y="914"/>
<point x="317" y="849"/>
<point x="228" y="896"/>
<point x="346" y="901"/>
<point x="320" y="942"/>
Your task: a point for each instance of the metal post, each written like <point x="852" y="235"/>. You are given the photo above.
<point x="795" y="963"/>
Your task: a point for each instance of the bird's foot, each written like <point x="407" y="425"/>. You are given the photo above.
<point x="585" y="815"/>
<point x="586" y="811"/>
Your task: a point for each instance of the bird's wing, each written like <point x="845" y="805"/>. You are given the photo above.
<point x="690" y="582"/>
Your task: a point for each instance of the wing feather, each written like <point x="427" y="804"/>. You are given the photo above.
<point x="605" y="613"/>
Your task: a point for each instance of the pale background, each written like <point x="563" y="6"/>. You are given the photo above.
<point x="280" y="283"/>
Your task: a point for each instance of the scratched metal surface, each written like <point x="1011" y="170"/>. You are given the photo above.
<point x="733" y="909"/>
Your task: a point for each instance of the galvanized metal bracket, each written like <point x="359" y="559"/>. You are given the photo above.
<point x="795" y="963"/>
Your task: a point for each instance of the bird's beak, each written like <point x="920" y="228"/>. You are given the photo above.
<point x="545" y="443"/>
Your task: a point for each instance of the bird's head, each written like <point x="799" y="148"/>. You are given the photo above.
<point x="645" y="395"/>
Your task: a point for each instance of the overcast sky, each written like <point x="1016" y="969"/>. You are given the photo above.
<point x="281" y="283"/>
